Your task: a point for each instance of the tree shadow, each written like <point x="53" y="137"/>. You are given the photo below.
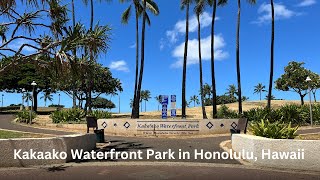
<point x="57" y="168"/>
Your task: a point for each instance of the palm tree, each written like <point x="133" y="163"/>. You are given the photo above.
<point x="135" y="112"/>
<point x="185" y="4"/>
<point x="272" y="56"/>
<point x="199" y="8"/>
<point x="213" y="4"/>
<point x="131" y="103"/>
<point x="46" y="96"/>
<point x="138" y="9"/>
<point x="158" y="99"/>
<point x="231" y="91"/>
<point x="238" y="54"/>
<point x="195" y="100"/>
<point x="207" y="90"/>
<point x="259" y="89"/>
<point x="145" y="95"/>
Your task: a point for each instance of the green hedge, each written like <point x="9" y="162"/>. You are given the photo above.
<point x="98" y="114"/>
<point x="24" y="116"/>
<point x="275" y="130"/>
<point x="67" y="116"/>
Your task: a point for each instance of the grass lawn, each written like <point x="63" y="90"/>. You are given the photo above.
<point x="10" y="134"/>
<point x="309" y="137"/>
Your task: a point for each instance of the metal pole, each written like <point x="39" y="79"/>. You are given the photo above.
<point x="59" y="100"/>
<point x="310" y="106"/>
<point x="119" y="103"/>
<point x="2" y="100"/>
<point x="22" y="102"/>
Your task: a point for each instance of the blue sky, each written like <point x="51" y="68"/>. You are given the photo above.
<point x="296" y="38"/>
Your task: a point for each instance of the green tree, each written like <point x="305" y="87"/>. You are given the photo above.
<point x="271" y="56"/>
<point x="294" y="79"/>
<point x="185" y="4"/>
<point x="258" y="89"/>
<point x="232" y="91"/>
<point x="138" y="9"/>
<point x="158" y="99"/>
<point x="103" y="103"/>
<point x="47" y="96"/>
<point x="145" y="95"/>
<point x="213" y="4"/>
<point x="207" y="90"/>
<point x="199" y="8"/>
<point x="195" y="100"/>
<point x="17" y="77"/>
<point x="238" y="54"/>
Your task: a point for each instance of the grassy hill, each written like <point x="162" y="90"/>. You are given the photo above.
<point x="196" y="112"/>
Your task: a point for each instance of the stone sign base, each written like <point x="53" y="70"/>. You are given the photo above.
<point x="152" y="127"/>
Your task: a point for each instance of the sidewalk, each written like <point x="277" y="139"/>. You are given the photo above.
<point x="5" y="123"/>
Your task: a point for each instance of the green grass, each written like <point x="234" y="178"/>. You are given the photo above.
<point x="10" y="134"/>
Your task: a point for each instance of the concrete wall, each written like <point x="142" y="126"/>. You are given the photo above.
<point x="260" y="146"/>
<point x="169" y="127"/>
<point x="59" y="144"/>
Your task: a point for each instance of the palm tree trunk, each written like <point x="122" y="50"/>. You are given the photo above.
<point x="184" y="73"/>
<point x="272" y="57"/>
<point x="92" y="14"/>
<point x="204" y="114"/>
<point x="213" y="79"/>
<point x="145" y="106"/>
<point x="74" y="98"/>
<point x="45" y="103"/>
<point x="302" y="99"/>
<point x="136" y="115"/>
<point x="260" y="96"/>
<point x="314" y="96"/>
<point x="137" y="64"/>
<point x="238" y="59"/>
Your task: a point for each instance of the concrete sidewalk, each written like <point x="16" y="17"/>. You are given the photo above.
<point x="6" y="123"/>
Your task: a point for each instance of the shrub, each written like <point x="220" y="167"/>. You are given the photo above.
<point x="24" y="116"/>
<point x="71" y="115"/>
<point x="98" y="114"/>
<point x="56" y="105"/>
<point x="225" y="112"/>
<point x="276" y="130"/>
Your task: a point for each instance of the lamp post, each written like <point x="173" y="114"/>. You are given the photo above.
<point x="309" y="80"/>
<point x="59" y="100"/>
<point x="33" y="84"/>
<point x="22" y="103"/>
<point x="2" y="100"/>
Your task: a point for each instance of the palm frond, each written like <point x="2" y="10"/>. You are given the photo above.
<point x="126" y="15"/>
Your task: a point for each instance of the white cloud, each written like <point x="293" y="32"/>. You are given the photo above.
<point x="16" y="45"/>
<point x="280" y="12"/>
<point x="305" y="3"/>
<point x="133" y="46"/>
<point x="119" y="66"/>
<point x="180" y="26"/>
<point x="193" y="52"/>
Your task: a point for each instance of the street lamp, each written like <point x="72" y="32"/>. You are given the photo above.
<point x="2" y="100"/>
<point x="33" y="84"/>
<point x="22" y="103"/>
<point x="59" y="100"/>
<point x="308" y="80"/>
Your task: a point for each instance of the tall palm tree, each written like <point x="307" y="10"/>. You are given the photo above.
<point x="138" y="9"/>
<point x="145" y="95"/>
<point x="185" y="4"/>
<point x="195" y="100"/>
<point x="259" y="89"/>
<point x="207" y="90"/>
<point x="135" y="112"/>
<point x="158" y="99"/>
<point x="199" y="8"/>
<point x="272" y="56"/>
<point x="46" y="96"/>
<point x="231" y="91"/>
<point x="238" y="53"/>
<point x="213" y="4"/>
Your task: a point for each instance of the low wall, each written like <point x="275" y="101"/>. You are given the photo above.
<point x="169" y="127"/>
<point x="8" y="147"/>
<point x="302" y="154"/>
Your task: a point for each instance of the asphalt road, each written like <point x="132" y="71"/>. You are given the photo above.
<point x="153" y="172"/>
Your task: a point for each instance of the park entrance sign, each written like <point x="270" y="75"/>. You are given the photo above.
<point x="153" y="127"/>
